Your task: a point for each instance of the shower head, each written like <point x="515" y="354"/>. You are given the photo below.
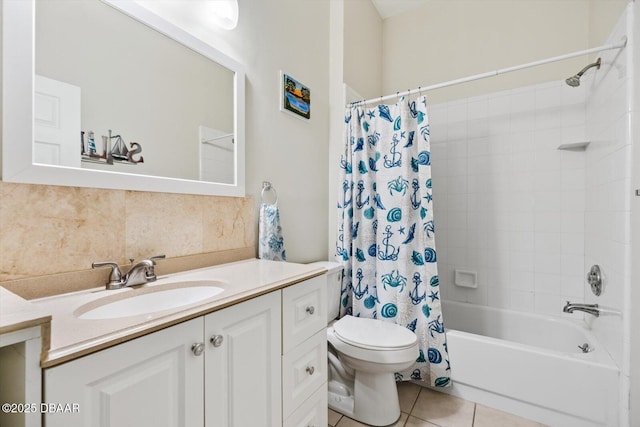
<point x="574" y="81"/>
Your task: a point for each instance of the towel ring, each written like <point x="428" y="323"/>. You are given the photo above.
<point x="266" y="186"/>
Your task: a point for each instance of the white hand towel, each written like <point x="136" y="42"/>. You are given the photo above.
<point x="271" y="242"/>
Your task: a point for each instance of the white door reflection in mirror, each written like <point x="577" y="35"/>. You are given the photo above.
<point x="216" y="155"/>
<point x="56" y="120"/>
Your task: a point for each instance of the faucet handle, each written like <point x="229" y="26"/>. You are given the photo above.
<point x="153" y="258"/>
<point x="151" y="272"/>
<point x="115" y="278"/>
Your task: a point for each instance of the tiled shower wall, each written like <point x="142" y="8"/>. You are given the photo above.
<point x="509" y="205"/>
<point x="608" y="208"/>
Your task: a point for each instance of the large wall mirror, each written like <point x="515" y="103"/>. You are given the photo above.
<point x="107" y="94"/>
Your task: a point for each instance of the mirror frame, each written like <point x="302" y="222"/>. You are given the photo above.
<point x="18" y="69"/>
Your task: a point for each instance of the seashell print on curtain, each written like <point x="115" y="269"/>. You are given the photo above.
<point x="386" y="234"/>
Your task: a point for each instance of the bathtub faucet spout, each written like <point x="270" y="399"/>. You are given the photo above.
<point x="592" y="309"/>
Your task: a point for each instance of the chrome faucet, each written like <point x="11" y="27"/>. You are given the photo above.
<point x="591" y="309"/>
<point x="140" y="273"/>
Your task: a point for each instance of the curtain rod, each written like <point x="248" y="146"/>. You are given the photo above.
<point x="620" y="45"/>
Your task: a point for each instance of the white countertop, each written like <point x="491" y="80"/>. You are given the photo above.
<point x="17" y="313"/>
<point x="72" y="337"/>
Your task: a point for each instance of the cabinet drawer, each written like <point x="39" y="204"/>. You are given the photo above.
<point x="304" y="370"/>
<point x="304" y="311"/>
<point x="312" y="413"/>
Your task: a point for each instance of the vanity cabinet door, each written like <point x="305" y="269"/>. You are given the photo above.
<point x="154" y="381"/>
<point x="242" y="364"/>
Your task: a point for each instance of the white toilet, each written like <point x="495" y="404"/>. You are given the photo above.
<point x="364" y="355"/>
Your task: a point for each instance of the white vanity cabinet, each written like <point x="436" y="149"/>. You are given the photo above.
<point x="20" y="377"/>
<point x="242" y="364"/>
<point x="255" y="363"/>
<point x="304" y="353"/>
<point x="154" y="380"/>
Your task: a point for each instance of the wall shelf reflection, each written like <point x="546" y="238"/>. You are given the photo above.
<point x="574" y="146"/>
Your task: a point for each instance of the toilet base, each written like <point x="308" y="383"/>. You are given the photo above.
<point x="377" y="403"/>
<point x="341" y="404"/>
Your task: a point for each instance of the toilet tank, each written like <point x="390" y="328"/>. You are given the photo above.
<point x="334" y="283"/>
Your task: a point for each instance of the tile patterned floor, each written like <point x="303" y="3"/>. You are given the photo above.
<point x="422" y="407"/>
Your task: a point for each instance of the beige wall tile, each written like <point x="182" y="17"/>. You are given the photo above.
<point x="47" y="230"/>
<point x="228" y="223"/>
<point x="162" y="223"/>
<point x="50" y="229"/>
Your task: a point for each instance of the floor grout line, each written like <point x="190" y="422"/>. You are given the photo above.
<point x="473" y="419"/>
<point x="415" y="400"/>
<point x="414" y="406"/>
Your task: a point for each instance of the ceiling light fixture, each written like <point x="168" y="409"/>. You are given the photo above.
<point x="224" y="13"/>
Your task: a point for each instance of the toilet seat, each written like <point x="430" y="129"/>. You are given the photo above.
<point x="372" y="334"/>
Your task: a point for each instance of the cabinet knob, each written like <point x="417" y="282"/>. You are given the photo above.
<point x="311" y="309"/>
<point x="310" y="370"/>
<point x="197" y="348"/>
<point x="216" y="340"/>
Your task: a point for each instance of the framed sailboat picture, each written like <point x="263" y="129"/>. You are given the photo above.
<point x="295" y="98"/>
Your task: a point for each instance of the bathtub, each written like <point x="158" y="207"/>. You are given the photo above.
<point x="530" y="365"/>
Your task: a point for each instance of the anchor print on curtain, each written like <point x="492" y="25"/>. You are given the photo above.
<point x="386" y="234"/>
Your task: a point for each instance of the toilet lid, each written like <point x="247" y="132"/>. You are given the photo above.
<point x="373" y="334"/>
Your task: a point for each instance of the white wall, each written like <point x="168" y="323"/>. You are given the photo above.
<point x="445" y="40"/>
<point x="508" y="204"/>
<point x="634" y="300"/>
<point x="291" y="153"/>
<point x="1" y="95"/>
<point x="363" y="48"/>
<point x="603" y="15"/>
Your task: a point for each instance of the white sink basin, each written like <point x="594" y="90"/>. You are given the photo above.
<point x="149" y="300"/>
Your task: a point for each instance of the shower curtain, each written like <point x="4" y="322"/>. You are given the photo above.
<point x="386" y="234"/>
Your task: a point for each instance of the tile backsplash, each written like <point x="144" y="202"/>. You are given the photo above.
<point x="49" y="229"/>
